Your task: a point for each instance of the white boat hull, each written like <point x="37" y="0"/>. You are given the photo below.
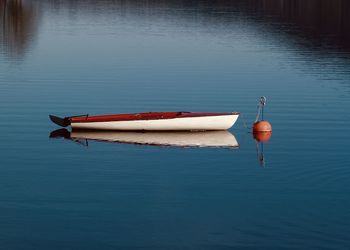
<point x="220" y="122"/>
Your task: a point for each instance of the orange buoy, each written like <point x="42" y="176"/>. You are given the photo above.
<point x="262" y="130"/>
<point x="262" y="126"/>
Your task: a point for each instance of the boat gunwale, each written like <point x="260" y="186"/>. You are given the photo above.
<point x="145" y="116"/>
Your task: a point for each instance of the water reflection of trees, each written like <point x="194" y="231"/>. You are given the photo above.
<point x="18" y="24"/>
<point x="325" y="23"/>
<point x="320" y="22"/>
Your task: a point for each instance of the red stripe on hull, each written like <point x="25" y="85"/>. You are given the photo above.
<point x="143" y="116"/>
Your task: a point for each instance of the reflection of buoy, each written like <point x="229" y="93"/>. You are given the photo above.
<point x="262" y="136"/>
<point x="262" y="126"/>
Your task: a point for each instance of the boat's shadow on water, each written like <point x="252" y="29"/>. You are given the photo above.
<point x="186" y="139"/>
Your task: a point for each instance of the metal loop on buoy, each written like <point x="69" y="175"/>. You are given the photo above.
<point x="261" y="104"/>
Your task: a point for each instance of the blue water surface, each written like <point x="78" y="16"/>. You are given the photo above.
<point x="104" y="57"/>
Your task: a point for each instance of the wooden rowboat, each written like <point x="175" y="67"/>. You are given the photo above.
<point x="153" y="121"/>
<point x="221" y="139"/>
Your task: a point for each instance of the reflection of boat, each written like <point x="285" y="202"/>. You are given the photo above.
<point x="157" y="121"/>
<point x="179" y="139"/>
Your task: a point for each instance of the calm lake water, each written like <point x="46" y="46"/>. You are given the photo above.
<point x="99" y="57"/>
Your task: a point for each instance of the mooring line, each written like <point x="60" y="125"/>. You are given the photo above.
<point x="245" y="124"/>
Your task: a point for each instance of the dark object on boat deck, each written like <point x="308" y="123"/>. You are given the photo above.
<point x="63" y="122"/>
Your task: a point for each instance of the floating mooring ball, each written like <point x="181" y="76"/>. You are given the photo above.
<point x="262" y="131"/>
<point x="262" y="126"/>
